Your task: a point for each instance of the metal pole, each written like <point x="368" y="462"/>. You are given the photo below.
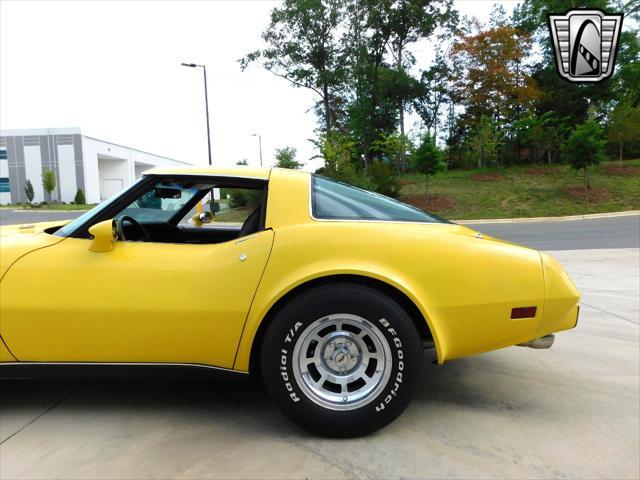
<point x="260" y="144"/>
<point x="206" y="106"/>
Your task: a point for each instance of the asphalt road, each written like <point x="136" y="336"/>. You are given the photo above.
<point x="611" y="232"/>
<point x="16" y="217"/>
<point x="567" y="412"/>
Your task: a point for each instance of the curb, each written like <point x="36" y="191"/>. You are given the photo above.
<point x="590" y="216"/>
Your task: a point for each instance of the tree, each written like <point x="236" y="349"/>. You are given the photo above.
<point x="427" y="159"/>
<point x="484" y="142"/>
<point x="340" y="154"/>
<point x="395" y="147"/>
<point x="286" y="158"/>
<point x="410" y="21"/>
<point x="79" y="198"/>
<point x="494" y="80"/>
<point x="304" y="47"/>
<point x="624" y="125"/>
<point x="49" y="180"/>
<point x="585" y="147"/>
<point x="28" y="190"/>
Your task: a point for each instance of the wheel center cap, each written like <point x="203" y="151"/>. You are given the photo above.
<point x="341" y="355"/>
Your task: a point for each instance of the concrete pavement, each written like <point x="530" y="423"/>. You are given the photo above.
<point x="571" y="411"/>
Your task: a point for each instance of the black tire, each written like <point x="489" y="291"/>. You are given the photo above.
<point x="296" y="322"/>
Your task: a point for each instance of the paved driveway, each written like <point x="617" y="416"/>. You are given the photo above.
<point x="571" y="411"/>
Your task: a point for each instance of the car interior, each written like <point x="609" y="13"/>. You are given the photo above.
<point x="188" y="210"/>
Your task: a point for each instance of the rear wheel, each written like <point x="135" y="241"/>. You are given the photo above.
<point x="341" y="360"/>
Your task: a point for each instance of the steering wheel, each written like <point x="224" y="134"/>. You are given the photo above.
<point x="126" y="218"/>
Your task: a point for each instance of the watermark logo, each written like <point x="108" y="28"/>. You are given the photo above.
<point x="585" y="44"/>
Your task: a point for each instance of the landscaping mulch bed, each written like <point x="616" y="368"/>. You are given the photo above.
<point x="624" y="170"/>
<point x="487" y="177"/>
<point x="437" y="203"/>
<point x="593" y="195"/>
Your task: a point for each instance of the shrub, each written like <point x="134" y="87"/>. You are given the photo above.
<point x="384" y="178"/>
<point x="79" y="198"/>
<point x="28" y="190"/>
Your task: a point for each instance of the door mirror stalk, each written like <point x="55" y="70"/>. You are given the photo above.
<point x="104" y="234"/>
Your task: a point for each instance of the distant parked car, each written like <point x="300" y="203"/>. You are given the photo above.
<point x="328" y="292"/>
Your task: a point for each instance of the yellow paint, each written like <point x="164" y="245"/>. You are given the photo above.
<point x="152" y="302"/>
<point x="103" y="236"/>
<point x="5" y="355"/>
<point x="140" y="302"/>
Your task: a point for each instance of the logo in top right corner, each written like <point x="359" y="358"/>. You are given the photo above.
<point x="585" y="44"/>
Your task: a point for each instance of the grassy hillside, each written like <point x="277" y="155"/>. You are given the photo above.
<point x="521" y="191"/>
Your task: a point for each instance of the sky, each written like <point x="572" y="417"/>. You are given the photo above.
<point x="113" y="69"/>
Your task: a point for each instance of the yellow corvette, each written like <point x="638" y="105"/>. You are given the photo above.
<point x="328" y="292"/>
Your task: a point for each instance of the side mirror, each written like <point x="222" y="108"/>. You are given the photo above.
<point x="103" y="236"/>
<point x="200" y="219"/>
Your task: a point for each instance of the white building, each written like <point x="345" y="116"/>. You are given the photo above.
<point x="101" y="169"/>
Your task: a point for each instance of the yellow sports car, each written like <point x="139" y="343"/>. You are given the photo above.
<point x="328" y="292"/>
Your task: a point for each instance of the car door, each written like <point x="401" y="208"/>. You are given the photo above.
<point x="139" y="302"/>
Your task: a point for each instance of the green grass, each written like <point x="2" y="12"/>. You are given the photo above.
<point x="518" y="192"/>
<point x="52" y="206"/>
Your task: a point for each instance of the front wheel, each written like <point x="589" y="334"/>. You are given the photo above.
<point x="341" y="360"/>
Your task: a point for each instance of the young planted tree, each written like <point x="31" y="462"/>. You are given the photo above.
<point x="28" y="191"/>
<point x="427" y="159"/>
<point x="484" y="142"/>
<point x="286" y="158"/>
<point x="585" y="147"/>
<point x="49" y="180"/>
<point x="624" y="126"/>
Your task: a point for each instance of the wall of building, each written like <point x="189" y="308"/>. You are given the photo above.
<point x="98" y="167"/>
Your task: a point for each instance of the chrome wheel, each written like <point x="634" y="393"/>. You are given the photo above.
<point x="341" y="361"/>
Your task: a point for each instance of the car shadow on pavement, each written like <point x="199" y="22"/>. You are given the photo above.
<point x="471" y="384"/>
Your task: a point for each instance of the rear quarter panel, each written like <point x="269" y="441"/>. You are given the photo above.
<point x="464" y="286"/>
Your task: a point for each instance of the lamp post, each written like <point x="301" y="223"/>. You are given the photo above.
<point x="259" y="144"/>
<point x="206" y="102"/>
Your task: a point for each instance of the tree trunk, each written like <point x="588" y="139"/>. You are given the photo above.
<point x="586" y="182"/>
<point x="426" y="188"/>
<point x="403" y="157"/>
<point x="327" y="108"/>
<point x="621" y="155"/>
<point x="549" y="156"/>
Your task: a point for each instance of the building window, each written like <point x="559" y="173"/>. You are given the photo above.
<point x="4" y="185"/>
<point x="3" y="153"/>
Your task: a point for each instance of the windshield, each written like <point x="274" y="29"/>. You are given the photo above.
<point x="72" y="226"/>
<point x="333" y="200"/>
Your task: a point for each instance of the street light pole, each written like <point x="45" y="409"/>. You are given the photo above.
<point x="259" y="144"/>
<point x="206" y="103"/>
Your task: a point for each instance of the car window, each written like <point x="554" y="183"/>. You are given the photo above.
<point x="160" y="203"/>
<point x="230" y="207"/>
<point x="333" y="200"/>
